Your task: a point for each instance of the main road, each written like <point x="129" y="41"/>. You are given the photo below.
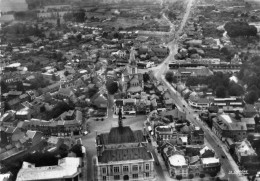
<point x="228" y="164"/>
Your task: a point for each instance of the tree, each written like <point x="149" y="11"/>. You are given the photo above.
<point x="169" y="76"/>
<point x="235" y="89"/>
<point x="202" y="175"/>
<point x="79" y="15"/>
<point x="221" y="91"/>
<point x="42" y="109"/>
<point x="77" y="149"/>
<point x="66" y="73"/>
<point x="146" y="77"/>
<point x="4" y="87"/>
<point x="116" y="35"/>
<point x="235" y="29"/>
<point x="178" y="177"/>
<point x="214" y="174"/>
<point x="192" y="81"/>
<point x="63" y="150"/>
<point x="251" y="97"/>
<point x="191" y="176"/>
<point x="19" y="86"/>
<point x="60" y="108"/>
<point x="79" y="37"/>
<point x="53" y="77"/>
<point x="112" y="87"/>
<point x="58" y="22"/>
<point x="105" y="34"/>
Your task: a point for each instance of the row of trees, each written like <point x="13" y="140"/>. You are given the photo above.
<point x="59" y="108"/>
<point x="78" y="16"/>
<point x="249" y="74"/>
<point x="218" y="82"/>
<point x="239" y="28"/>
<point x="170" y="77"/>
<point x="22" y="29"/>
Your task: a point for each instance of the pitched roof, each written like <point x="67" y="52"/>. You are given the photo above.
<point x="203" y="150"/>
<point x="194" y="159"/>
<point x="245" y="148"/>
<point x="31" y="133"/>
<point x="119" y="135"/>
<point x="135" y="89"/>
<point x="65" y="91"/>
<point x="248" y="120"/>
<point x="125" y="154"/>
<point x="10" y="130"/>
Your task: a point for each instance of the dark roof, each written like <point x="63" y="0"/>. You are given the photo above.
<point x="125" y="154"/>
<point x="119" y="135"/>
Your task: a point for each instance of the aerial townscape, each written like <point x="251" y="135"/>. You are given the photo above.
<point x="156" y="90"/>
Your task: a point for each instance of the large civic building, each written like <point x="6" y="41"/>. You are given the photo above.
<point x="122" y="155"/>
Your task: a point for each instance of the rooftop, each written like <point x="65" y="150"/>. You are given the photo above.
<point x="139" y="153"/>
<point x="203" y="150"/>
<point x="163" y="129"/>
<point x="226" y="117"/>
<point x="119" y="135"/>
<point x="66" y="168"/>
<point x="210" y="160"/>
<point x="245" y="148"/>
<point x="177" y="160"/>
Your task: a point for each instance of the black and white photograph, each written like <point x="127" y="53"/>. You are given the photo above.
<point x="138" y="90"/>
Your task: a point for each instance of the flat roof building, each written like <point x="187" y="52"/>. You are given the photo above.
<point x="67" y="168"/>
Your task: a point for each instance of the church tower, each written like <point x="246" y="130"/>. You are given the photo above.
<point x="132" y="64"/>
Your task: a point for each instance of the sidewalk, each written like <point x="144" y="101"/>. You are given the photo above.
<point x="165" y="171"/>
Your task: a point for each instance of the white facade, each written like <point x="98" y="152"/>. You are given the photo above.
<point x="126" y="170"/>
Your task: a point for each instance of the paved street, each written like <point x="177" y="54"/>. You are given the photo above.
<point x="173" y="45"/>
<point x="227" y="164"/>
<point x="137" y="123"/>
<point x="159" y="72"/>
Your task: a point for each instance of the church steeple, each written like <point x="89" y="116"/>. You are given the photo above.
<point x="132" y="64"/>
<point x="132" y="60"/>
